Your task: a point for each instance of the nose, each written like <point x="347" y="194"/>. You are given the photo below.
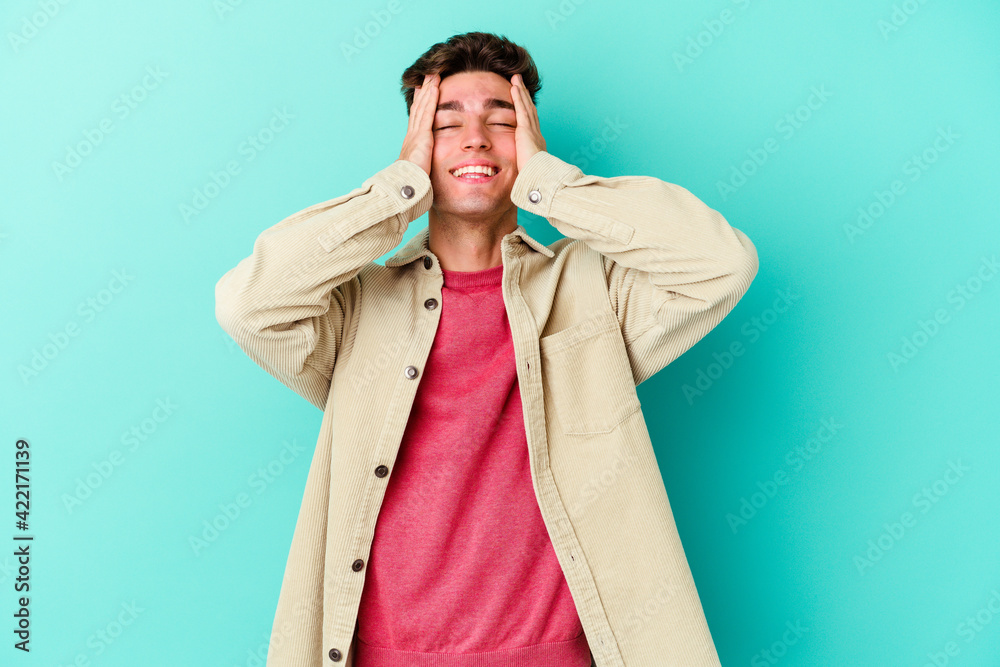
<point x="474" y="136"/>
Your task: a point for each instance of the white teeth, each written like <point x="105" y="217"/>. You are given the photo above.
<point x="488" y="171"/>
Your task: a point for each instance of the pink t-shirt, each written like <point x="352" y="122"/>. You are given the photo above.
<point x="461" y="571"/>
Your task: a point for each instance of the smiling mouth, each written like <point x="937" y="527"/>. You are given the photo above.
<point x="467" y="175"/>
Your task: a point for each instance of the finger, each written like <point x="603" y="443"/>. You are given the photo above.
<point x="419" y="93"/>
<point x="528" y="108"/>
<point x="519" y="110"/>
<point x="414" y="106"/>
<point x="533" y="110"/>
<point x="418" y="116"/>
<point x="526" y="98"/>
<point x="426" y="121"/>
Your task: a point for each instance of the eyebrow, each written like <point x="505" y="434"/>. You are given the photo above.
<point x="491" y="103"/>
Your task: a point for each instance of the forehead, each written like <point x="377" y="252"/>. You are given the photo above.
<point x="470" y="90"/>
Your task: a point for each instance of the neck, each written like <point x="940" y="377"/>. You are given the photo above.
<point x="464" y="243"/>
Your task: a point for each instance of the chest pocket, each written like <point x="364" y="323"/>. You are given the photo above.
<point x="586" y="376"/>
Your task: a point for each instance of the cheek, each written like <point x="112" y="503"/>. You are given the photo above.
<point x="505" y="145"/>
<point x="439" y="158"/>
<point x="444" y="146"/>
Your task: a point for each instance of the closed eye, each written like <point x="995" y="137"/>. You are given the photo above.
<point x="449" y="126"/>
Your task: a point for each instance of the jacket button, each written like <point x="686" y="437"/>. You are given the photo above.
<point x="428" y="262"/>
<point x="534" y="196"/>
<point x="410" y="372"/>
<point x="335" y="655"/>
<point x="407" y="191"/>
<point x="381" y="471"/>
<point x="357" y="565"/>
<point x="431" y="304"/>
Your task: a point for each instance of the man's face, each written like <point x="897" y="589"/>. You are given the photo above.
<point x="475" y="120"/>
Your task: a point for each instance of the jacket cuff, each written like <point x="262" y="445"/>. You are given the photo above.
<point x="542" y="176"/>
<point x="400" y="192"/>
<point x="396" y="182"/>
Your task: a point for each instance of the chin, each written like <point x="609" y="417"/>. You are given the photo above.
<point x="474" y="205"/>
<point x="470" y="207"/>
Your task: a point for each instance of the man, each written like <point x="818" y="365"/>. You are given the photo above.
<point x="484" y="490"/>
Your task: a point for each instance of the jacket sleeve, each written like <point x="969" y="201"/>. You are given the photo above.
<point x="673" y="266"/>
<point x="285" y="304"/>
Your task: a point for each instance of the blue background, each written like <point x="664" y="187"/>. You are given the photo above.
<point x="695" y="93"/>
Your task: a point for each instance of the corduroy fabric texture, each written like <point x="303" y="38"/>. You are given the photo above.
<point x="646" y="270"/>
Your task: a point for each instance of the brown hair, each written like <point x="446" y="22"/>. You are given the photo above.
<point x="472" y="52"/>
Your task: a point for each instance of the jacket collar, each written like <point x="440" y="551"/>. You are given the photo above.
<point x="416" y="247"/>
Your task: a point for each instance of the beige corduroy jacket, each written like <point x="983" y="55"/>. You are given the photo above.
<point x="646" y="270"/>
